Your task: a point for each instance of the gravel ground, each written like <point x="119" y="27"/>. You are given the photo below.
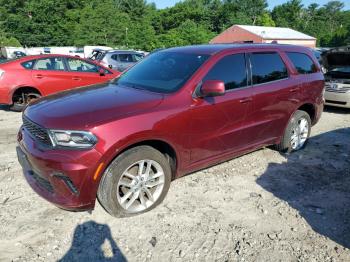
<point x="263" y="206"/>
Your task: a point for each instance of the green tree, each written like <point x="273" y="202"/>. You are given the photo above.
<point x="97" y="23"/>
<point x="138" y="24"/>
<point x="288" y="14"/>
<point x="265" y="20"/>
<point x="8" y="41"/>
<point x="188" y="33"/>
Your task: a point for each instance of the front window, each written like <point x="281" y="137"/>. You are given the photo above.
<point x="138" y="57"/>
<point x="231" y="70"/>
<point x="78" y="65"/>
<point x="163" y="72"/>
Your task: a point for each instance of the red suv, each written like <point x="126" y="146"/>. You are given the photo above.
<point x="31" y="77"/>
<point x="177" y="111"/>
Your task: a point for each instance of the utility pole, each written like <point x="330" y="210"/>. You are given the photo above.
<point x="126" y="36"/>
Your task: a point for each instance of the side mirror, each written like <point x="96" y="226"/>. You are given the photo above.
<point x="212" y="88"/>
<point x="102" y="72"/>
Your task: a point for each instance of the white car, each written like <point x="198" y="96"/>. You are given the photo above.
<point x="337" y="77"/>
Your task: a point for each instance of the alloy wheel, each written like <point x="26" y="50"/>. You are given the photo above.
<point x="140" y="185"/>
<point x="300" y="133"/>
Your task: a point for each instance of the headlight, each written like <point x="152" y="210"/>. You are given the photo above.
<point x="72" y="139"/>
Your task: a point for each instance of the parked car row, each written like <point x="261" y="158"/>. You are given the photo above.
<point x="176" y="111"/>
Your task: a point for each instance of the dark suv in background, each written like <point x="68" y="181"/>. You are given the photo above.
<point x="177" y="111"/>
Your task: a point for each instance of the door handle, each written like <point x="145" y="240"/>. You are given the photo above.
<point x="39" y="76"/>
<point x="76" y="78"/>
<point x="245" y="100"/>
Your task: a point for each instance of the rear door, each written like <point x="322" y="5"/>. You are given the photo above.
<point x="274" y="98"/>
<point x="84" y="73"/>
<point x="218" y="123"/>
<point x="50" y="75"/>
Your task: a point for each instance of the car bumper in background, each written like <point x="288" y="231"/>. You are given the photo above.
<point x="65" y="179"/>
<point x="5" y="97"/>
<point x="337" y="99"/>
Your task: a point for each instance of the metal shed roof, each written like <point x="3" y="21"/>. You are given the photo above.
<point x="266" y="32"/>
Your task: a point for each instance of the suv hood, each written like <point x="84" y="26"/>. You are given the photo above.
<point x="86" y="107"/>
<point x="337" y="63"/>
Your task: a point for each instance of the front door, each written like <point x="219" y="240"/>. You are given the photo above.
<point x="84" y="73"/>
<point x="218" y="123"/>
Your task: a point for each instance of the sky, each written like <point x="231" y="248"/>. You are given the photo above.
<point x="166" y="3"/>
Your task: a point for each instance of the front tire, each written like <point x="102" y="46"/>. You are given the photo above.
<point x="296" y="134"/>
<point x="135" y="182"/>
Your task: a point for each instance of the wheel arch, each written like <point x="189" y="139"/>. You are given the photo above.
<point x="162" y="146"/>
<point x="19" y="89"/>
<point x="310" y="109"/>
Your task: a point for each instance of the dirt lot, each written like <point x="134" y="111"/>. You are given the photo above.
<point x="263" y="206"/>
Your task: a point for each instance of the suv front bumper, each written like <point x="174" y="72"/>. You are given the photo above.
<point x="64" y="178"/>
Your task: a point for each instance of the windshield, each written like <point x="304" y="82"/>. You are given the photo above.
<point x="163" y="72"/>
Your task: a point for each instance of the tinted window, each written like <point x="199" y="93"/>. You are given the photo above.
<point x="125" y="58"/>
<point x="78" y="65"/>
<point x="163" y="72"/>
<point x="28" y="64"/>
<point x="302" y="63"/>
<point x="114" y="57"/>
<point x="267" y="67"/>
<point x="231" y="70"/>
<point x="138" y="57"/>
<point x="50" y="63"/>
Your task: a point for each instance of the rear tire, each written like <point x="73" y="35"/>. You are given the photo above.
<point x="296" y="134"/>
<point x="22" y="100"/>
<point x="135" y="182"/>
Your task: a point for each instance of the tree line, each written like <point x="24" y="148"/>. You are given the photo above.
<point x="139" y="24"/>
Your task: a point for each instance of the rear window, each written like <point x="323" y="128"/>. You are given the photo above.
<point x="267" y="67"/>
<point x="302" y="63"/>
<point x="50" y="63"/>
<point x="28" y="64"/>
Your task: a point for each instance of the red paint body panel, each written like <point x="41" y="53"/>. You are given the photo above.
<point x="202" y="131"/>
<point x="45" y="81"/>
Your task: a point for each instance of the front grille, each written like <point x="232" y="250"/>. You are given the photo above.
<point x="36" y="131"/>
<point x="42" y="182"/>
